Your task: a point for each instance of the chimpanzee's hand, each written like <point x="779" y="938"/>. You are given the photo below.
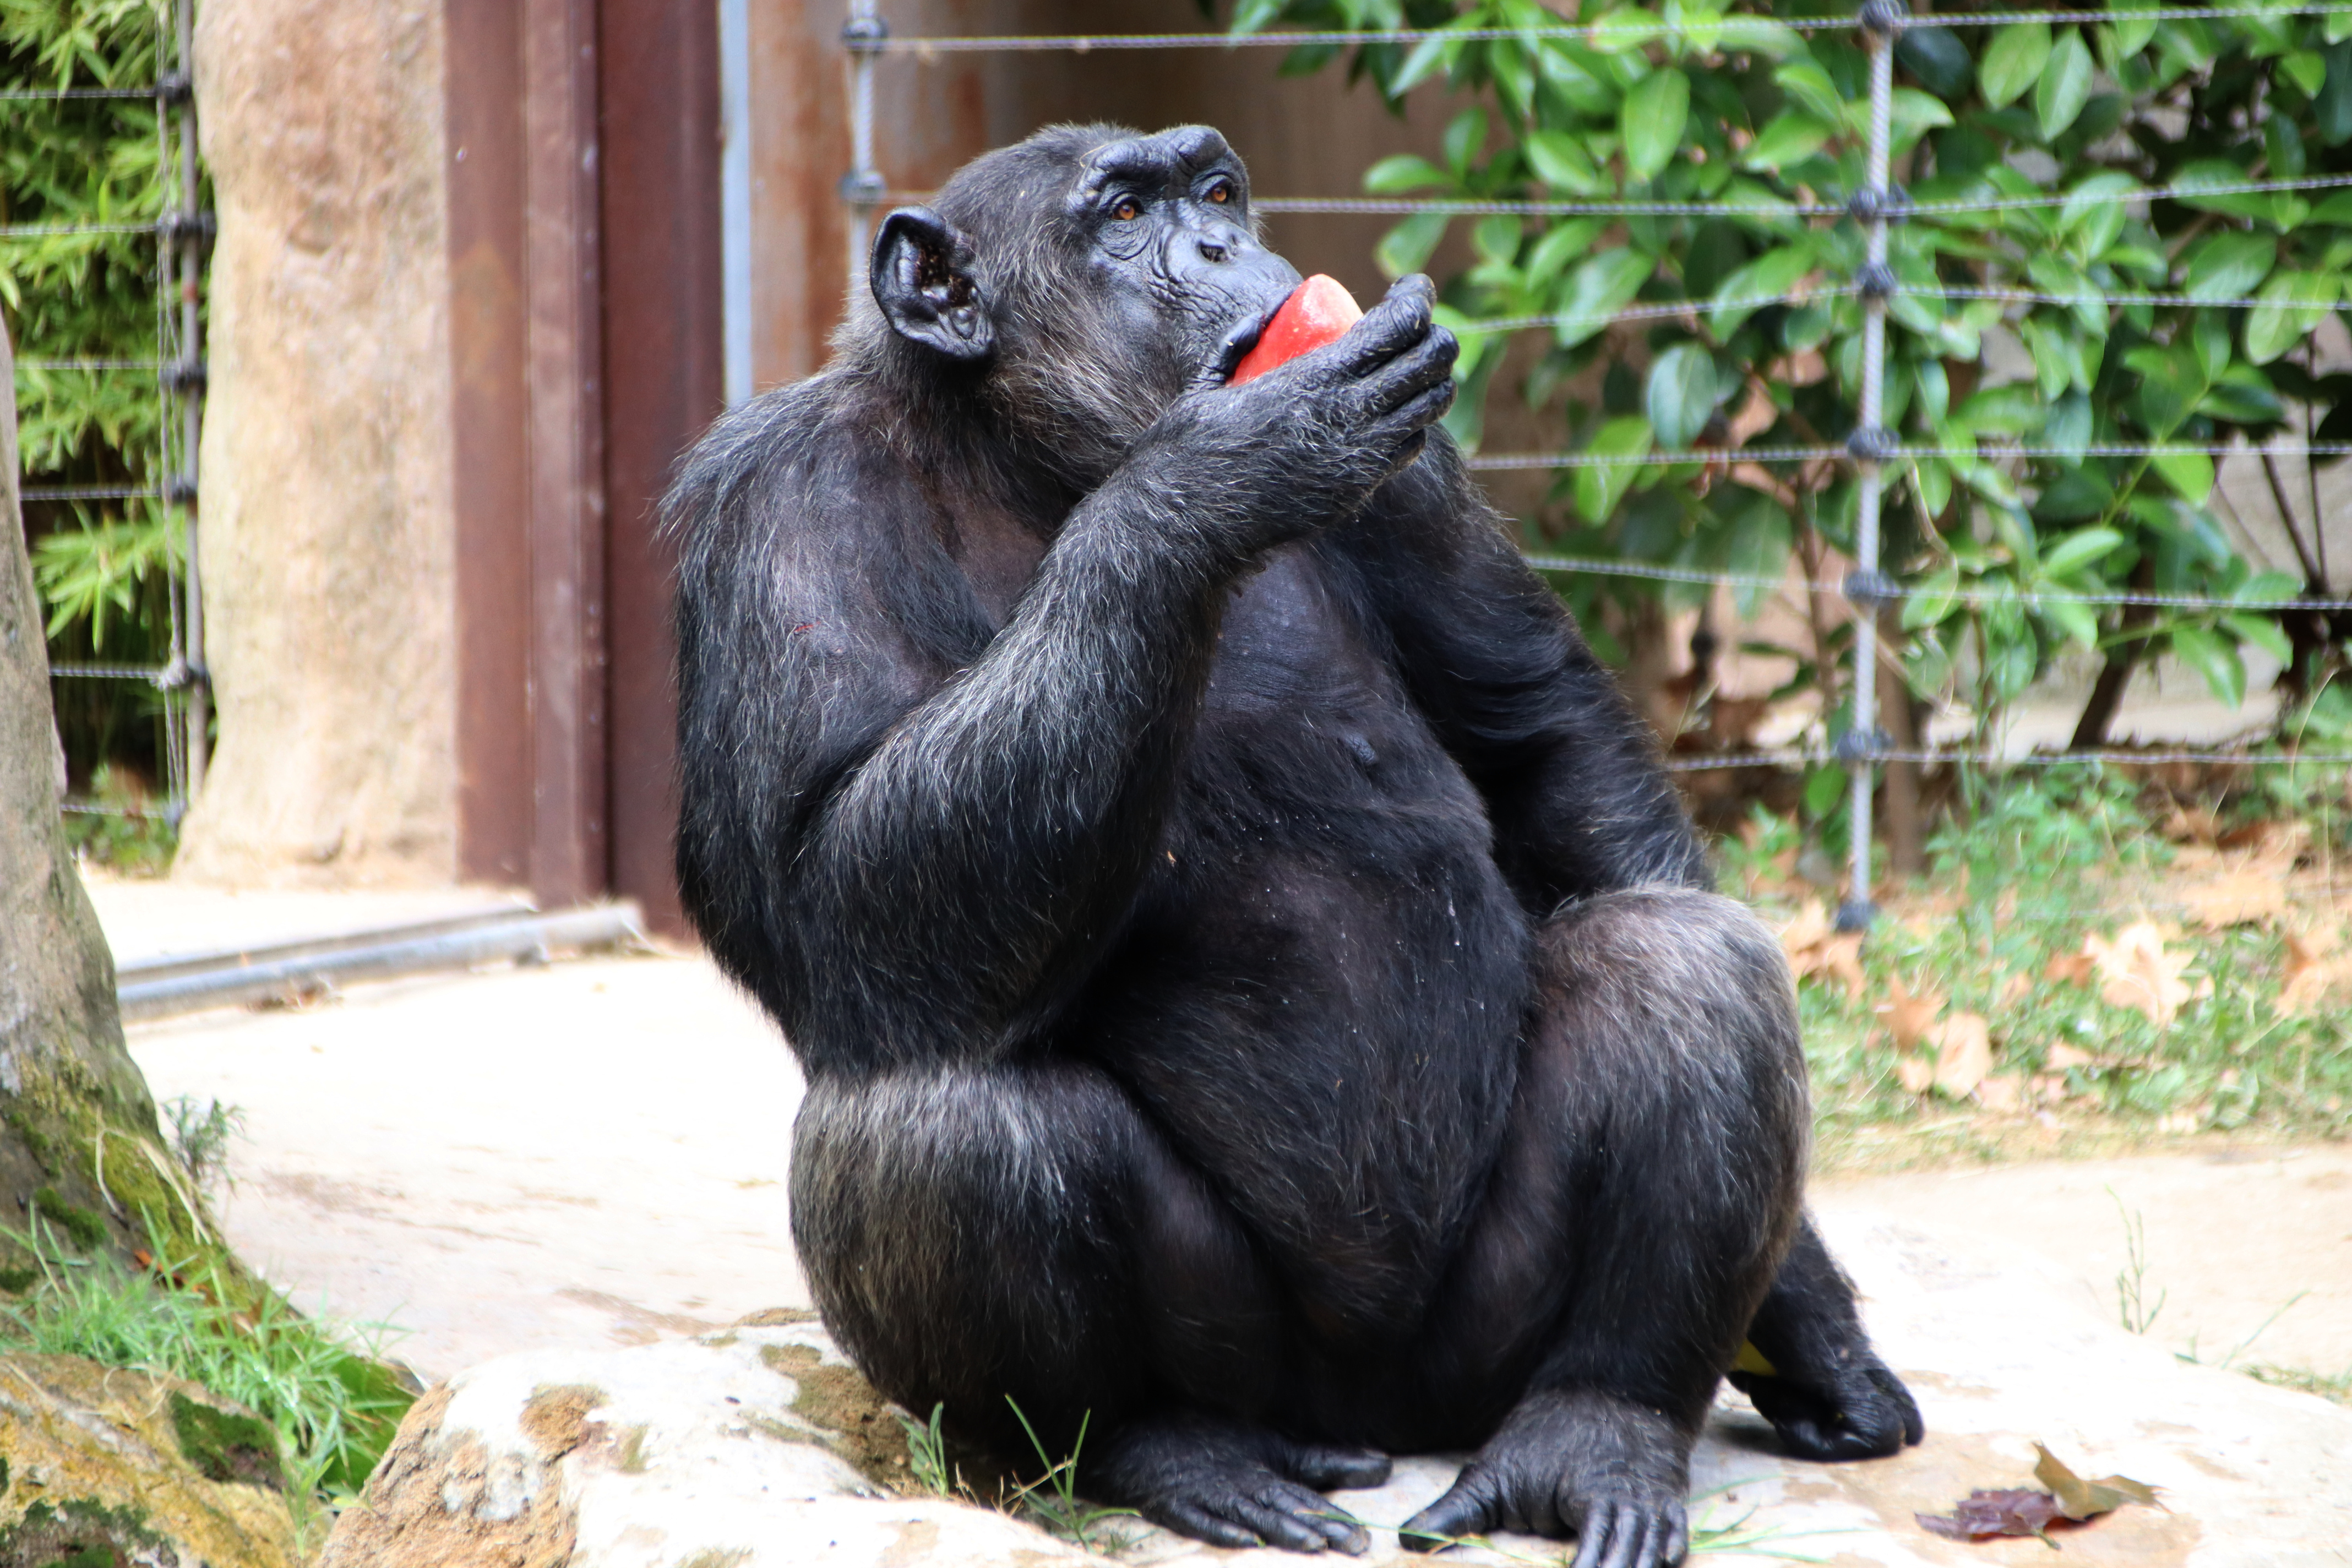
<point x="1303" y="445"/>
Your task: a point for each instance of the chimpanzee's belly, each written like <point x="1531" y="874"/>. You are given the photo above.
<point x="1319" y="997"/>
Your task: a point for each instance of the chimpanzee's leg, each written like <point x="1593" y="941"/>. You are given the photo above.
<point x="1828" y="1394"/>
<point x="994" y="1235"/>
<point x="1648" y="1188"/>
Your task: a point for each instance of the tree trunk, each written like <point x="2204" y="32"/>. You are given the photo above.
<point x="79" y="1141"/>
<point x="1900" y="815"/>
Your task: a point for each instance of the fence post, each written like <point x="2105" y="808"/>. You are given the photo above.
<point x="862" y="188"/>
<point x="1874" y="205"/>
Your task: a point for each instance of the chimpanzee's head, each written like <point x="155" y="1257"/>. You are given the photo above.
<point x="1085" y="277"/>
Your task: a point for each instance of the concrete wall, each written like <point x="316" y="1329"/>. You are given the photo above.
<point x="326" y="534"/>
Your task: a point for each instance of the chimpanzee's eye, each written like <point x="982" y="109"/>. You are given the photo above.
<point x="1128" y="210"/>
<point x="1222" y="192"/>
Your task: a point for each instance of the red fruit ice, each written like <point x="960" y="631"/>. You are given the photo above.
<point x="1318" y="312"/>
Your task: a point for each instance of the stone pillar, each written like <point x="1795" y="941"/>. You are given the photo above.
<point x="327" y="539"/>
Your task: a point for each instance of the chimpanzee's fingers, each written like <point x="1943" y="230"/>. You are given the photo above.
<point x="1411" y="372"/>
<point x="1409" y="426"/>
<point x="1387" y="328"/>
<point x="1328" y="1469"/>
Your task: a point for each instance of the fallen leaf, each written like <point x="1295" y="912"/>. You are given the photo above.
<point x="1916" y="1073"/>
<point x="1908" y="1017"/>
<point x="2019" y="1511"/>
<point x="2136" y="971"/>
<point x="2001" y="1094"/>
<point x="2312" y="970"/>
<point x="2239" y="898"/>
<point x="2078" y="1499"/>
<point x="2016" y="988"/>
<point x="2193" y="825"/>
<point x="2068" y="969"/>
<point x="1813" y="947"/>
<point x="1963" y="1053"/>
<point x="2062" y="1056"/>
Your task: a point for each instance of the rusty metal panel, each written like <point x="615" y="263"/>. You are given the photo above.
<point x="563" y="363"/>
<point x="663" y="357"/>
<point x="483" y="115"/>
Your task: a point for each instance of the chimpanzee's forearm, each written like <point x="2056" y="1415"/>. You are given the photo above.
<point x="992" y="839"/>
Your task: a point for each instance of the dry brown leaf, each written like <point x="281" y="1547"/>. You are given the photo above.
<point x="1755" y="416"/>
<point x="1908" y="1017"/>
<point x="2237" y="898"/>
<point x="2312" y="970"/>
<point x="2002" y="1094"/>
<point x="2068" y="969"/>
<point x="2136" y="971"/>
<point x="2193" y="825"/>
<point x="2062" y="1056"/>
<point x="2016" y="988"/>
<point x="1814" y="948"/>
<point x="1963" y="1045"/>
<point x="1916" y="1073"/>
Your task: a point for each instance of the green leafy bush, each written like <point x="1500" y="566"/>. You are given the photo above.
<point x="1745" y="110"/>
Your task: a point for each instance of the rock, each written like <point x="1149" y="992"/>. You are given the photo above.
<point x="759" y="1447"/>
<point x="102" y="1465"/>
<point x="326" y="538"/>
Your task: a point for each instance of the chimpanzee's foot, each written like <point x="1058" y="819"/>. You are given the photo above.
<point x="1848" y="1408"/>
<point x="1237" y="1486"/>
<point x="1610" y="1473"/>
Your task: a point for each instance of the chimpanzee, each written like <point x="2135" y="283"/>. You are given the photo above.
<point x="1263" y="1005"/>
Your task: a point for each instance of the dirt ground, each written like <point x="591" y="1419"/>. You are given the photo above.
<point x="595" y="1152"/>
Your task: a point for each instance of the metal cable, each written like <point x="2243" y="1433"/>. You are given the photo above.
<point x="156" y="674"/>
<point x="1791" y="757"/>
<point x="1505" y="461"/>
<point x="1086" y="43"/>
<point x="1602" y="567"/>
<point x="1663" y="310"/>
<point x="89" y="492"/>
<point x="59" y="230"/>
<point x="89" y="365"/>
<point x="52" y="95"/>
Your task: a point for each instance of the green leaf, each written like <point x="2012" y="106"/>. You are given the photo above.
<point x="1770" y="276"/>
<point x="2013" y="62"/>
<point x="2190" y="474"/>
<point x="2230" y="266"/>
<point x="2307" y="69"/>
<point x="1560" y="162"/>
<point x="2063" y="86"/>
<point x="2272" y="329"/>
<point x="1787" y="137"/>
<point x="1404" y="172"/>
<point x="1602" y="284"/>
<point x="1406" y="247"/>
<point x="1560" y="244"/>
<point x="1465" y="138"/>
<point x="2075" y="620"/>
<point x="1599" y="487"/>
<point x="2268" y="587"/>
<point x="1256" y="15"/>
<point x="2265" y="634"/>
<point x="1811" y="86"/>
<point x="1759" y="548"/>
<point x="2209" y="655"/>
<point x="1933" y="598"/>
<point x="1681" y="395"/>
<point x="1652" y="121"/>
<point x="2079" y="549"/>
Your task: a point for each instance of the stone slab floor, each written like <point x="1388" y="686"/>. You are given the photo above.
<point x="592" y="1154"/>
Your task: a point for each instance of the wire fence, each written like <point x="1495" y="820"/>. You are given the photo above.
<point x="1873" y="454"/>
<point x="180" y="232"/>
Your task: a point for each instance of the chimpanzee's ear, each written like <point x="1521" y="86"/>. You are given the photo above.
<point x="923" y="282"/>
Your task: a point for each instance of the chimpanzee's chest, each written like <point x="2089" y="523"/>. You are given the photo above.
<point x="1322" y="940"/>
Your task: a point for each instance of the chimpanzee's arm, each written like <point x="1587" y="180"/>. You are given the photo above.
<point x="1569" y="771"/>
<point x="907" y="860"/>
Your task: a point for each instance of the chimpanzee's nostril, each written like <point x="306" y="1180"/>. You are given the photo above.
<point x="1211" y="252"/>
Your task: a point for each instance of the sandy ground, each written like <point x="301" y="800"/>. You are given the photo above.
<point x="595" y="1151"/>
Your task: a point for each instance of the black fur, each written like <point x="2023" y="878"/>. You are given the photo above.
<point x="1257" y="990"/>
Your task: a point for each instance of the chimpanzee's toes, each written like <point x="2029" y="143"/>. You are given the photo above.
<point x="1235" y="1485"/>
<point x="1633" y="1532"/>
<point x="1472" y="1505"/>
<point x="1868" y="1415"/>
<point x="1328" y="1469"/>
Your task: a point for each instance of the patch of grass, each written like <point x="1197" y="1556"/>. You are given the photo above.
<point x="330" y="1405"/>
<point x="1053" y="1500"/>
<point x="2131" y="1280"/>
<point x="927" y="1455"/>
<point x="200" y="1137"/>
<point x="2042" y="860"/>
<point x="2302" y="1380"/>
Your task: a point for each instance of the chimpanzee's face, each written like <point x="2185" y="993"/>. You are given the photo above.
<point x="1166" y="223"/>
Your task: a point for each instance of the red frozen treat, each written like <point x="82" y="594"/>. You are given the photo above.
<point x="1318" y="312"/>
